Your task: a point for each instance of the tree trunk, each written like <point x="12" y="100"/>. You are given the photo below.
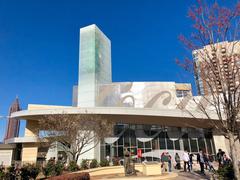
<point x="233" y="155"/>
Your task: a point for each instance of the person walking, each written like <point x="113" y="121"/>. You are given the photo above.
<point x="185" y="158"/>
<point x="126" y="162"/>
<point x="226" y="160"/>
<point x="169" y="162"/>
<point x="201" y="161"/>
<point x="220" y="157"/>
<point x="164" y="159"/>
<point x="190" y="161"/>
<point x="177" y="160"/>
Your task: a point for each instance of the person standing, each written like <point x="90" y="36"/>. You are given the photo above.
<point x="191" y="161"/>
<point x="201" y="161"/>
<point x="220" y="157"/>
<point x="164" y="159"/>
<point x="226" y="160"/>
<point x="126" y="162"/>
<point x="169" y="162"/>
<point x="177" y="160"/>
<point x="185" y="158"/>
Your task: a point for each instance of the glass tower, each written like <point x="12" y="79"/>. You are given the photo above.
<point x="94" y="64"/>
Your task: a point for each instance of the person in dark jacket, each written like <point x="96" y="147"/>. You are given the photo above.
<point x="201" y="161"/>
<point x="177" y="160"/>
<point x="220" y="157"/>
<point x="191" y="161"/>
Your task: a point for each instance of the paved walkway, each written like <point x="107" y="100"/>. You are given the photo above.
<point x="170" y="176"/>
<point x="116" y="173"/>
<point x="191" y="176"/>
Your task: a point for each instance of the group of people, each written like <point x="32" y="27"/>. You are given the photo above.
<point x="223" y="159"/>
<point x="203" y="159"/>
<point x="166" y="161"/>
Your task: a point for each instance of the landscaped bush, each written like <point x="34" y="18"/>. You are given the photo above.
<point x="49" y="169"/>
<point x="73" y="166"/>
<point x="29" y="171"/>
<point x="94" y="163"/>
<point x="59" y="166"/>
<point x="226" y="172"/>
<point x="104" y="163"/>
<point x="53" y="169"/>
<point x="2" y="173"/>
<point x="72" y="176"/>
<point x="12" y="173"/>
<point x="84" y="164"/>
<point x="25" y="173"/>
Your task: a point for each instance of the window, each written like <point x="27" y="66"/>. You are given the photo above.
<point x="182" y="93"/>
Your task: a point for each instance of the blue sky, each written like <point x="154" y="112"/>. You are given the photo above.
<point x="39" y="45"/>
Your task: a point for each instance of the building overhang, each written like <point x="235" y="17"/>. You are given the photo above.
<point x="16" y="140"/>
<point x="166" y="117"/>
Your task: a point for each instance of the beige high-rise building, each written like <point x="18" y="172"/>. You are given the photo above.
<point x="216" y="67"/>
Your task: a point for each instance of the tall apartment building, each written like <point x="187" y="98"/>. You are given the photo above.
<point x="216" y="67"/>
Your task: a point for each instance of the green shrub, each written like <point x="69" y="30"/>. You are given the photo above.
<point x="49" y="169"/>
<point x="94" y="163"/>
<point x="59" y="166"/>
<point x="104" y="163"/>
<point x="73" y="166"/>
<point x="12" y="173"/>
<point x="226" y="172"/>
<point x="2" y="173"/>
<point x="29" y="171"/>
<point x="25" y="173"/>
<point x="84" y="164"/>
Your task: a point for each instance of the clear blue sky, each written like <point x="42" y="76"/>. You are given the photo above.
<point x="39" y="43"/>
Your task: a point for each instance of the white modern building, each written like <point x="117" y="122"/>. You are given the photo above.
<point x="151" y="116"/>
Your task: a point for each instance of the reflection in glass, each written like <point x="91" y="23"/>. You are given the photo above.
<point x="153" y="138"/>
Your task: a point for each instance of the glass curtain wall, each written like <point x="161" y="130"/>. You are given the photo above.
<point x="152" y="140"/>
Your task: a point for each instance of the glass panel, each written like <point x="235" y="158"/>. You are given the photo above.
<point x="209" y="148"/>
<point x="115" y="154"/>
<point x="169" y="144"/>
<point x="149" y="158"/>
<point x="108" y="150"/>
<point x="120" y="140"/>
<point x="126" y="139"/>
<point x="201" y="144"/>
<point x="140" y="144"/>
<point x="155" y="144"/>
<point x="177" y="145"/>
<point x="103" y="152"/>
<point x="162" y="142"/>
<point x="148" y="150"/>
<point x="133" y="141"/>
<point x="120" y="151"/>
<point x="148" y="144"/>
<point x="186" y="144"/>
<point x="193" y="143"/>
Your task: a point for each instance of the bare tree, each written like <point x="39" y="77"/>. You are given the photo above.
<point x="214" y="44"/>
<point x="77" y="133"/>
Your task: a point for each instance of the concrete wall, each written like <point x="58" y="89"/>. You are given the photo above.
<point x="6" y="156"/>
<point x="222" y="143"/>
<point x="29" y="153"/>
